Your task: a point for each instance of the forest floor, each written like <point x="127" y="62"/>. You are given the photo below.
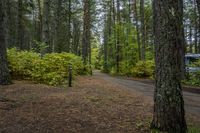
<point x="94" y="105"/>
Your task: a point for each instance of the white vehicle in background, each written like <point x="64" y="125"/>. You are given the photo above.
<point x="189" y="60"/>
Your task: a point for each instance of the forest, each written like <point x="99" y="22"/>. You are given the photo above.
<point x="134" y="66"/>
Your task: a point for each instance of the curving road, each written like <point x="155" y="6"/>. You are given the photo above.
<point x="192" y="100"/>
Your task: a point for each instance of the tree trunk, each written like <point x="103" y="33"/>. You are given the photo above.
<point x="114" y="30"/>
<point x="76" y="36"/>
<point x="196" y="29"/>
<point x="57" y="43"/>
<point x="20" y="36"/>
<point x="45" y="28"/>
<point x="190" y="37"/>
<point x="169" y="114"/>
<point x="137" y="27"/>
<point x="40" y="21"/>
<point x="118" y="37"/>
<point x="142" y="29"/>
<point x="86" y="31"/>
<point x="4" y="71"/>
<point x="68" y="48"/>
<point x="198" y="8"/>
<point x="105" y="45"/>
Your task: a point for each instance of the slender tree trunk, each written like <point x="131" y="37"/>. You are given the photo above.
<point x="8" y="25"/>
<point x="20" y="36"/>
<point x="108" y="51"/>
<point x="86" y="32"/>
<point x="57" y="43"/>
<point x="68" y="48"/>
<point x="40" y="21"/>
<point x="4" y="71"/>
<point x="105" y="45"/>
<point x="76" y="36"/>
<point x="169" y="114"/>
<point x="142" y="29"/>
<point x="198" y="9"/>
<point x="190" y="37"/>
<point x="196" y="29"/>
<point x="118" y="38"/>
<point x="111" y="32"/>
<point x="114" y="29"/>
<point x="45" y="28"/>
<point x="137" y="27"/>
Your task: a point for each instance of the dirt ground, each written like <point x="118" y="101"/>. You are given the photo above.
<point x="92" y="106"/>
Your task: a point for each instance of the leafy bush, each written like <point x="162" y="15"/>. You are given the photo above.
<point x="95" y="59"/>
<point x="52" y="69"/>
<point x="193" y="79"/>
<point x="126" y="67"/>
<point x="143" y="69"/>
<point x="139" y="69"/>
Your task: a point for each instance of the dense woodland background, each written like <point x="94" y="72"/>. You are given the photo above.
<point x="115" y="36"/>
<point x="122" y="30"/>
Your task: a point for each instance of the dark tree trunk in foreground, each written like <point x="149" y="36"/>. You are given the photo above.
<point x="4" y="71"/>
<point x="169" y="114"/>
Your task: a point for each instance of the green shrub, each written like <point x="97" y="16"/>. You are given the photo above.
<point x="126" y="67"/>
<point x="52" y="69"/>
<point x="143" y="69"/>
<point x="21" y="63"/>
<point x="193" y="79"/>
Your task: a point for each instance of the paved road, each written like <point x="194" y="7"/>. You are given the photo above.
<point x="192" y="100"/>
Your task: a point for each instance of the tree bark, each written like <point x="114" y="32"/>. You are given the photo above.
<point x="20" y="36"/>
<point x="169" y="114"/>
<point x="68" y="48"/>
<point x="190" y="37"/>
<point x="86" y="32"/>
<point x="198" y="9"/>
<point x="137" y="27"/>
<point x="57" y="43"/>
<point x="196" y="30"/>
<point x="142" y="29"/>
<point x="4" y="71"/>
<point x="118" y="37"/>
<point x="76" y="36"/>
<point x="40" y="21"/>
<point x="198" y="6"/>
<point x="45" y="28"/>
<point x="114" y="30"/>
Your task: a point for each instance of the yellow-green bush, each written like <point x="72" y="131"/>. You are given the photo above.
<point x="52" y="69"/>
<point x="193" y="79"/>
<point x="143" y="69"/>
